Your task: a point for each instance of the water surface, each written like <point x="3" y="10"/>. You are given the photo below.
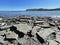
<point x="30" y="13"/>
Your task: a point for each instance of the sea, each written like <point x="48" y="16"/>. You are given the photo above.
<point x="30" y="13"/>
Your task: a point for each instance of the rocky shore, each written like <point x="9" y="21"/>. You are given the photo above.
<point x="27" y="30"/>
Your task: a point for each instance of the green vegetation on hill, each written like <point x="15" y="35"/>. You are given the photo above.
<point x="42" y="9"/>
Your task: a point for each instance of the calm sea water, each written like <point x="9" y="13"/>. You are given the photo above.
<point x="30" y="13"/>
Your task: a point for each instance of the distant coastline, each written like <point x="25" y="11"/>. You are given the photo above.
<point x="43" y="9"/>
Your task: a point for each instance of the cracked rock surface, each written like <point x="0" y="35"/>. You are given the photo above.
<point x="30" y="32"/>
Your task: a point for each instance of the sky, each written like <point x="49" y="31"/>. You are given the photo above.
<point x="16" y="5"/>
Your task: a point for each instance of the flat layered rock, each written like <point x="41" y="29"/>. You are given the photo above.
<point x="23" y="27"/>
<point x="11" y="35"/>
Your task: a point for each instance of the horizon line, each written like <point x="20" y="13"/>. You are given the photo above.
<point x="26" y="9"/>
